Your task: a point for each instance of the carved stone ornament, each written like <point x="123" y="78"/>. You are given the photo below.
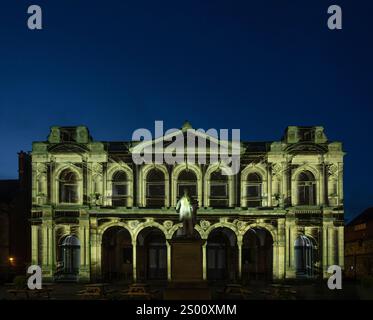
<point x="332" y="170"/>
<point x="204" y="224"/>
<point x="133" y="224"/>
<point x="240" y="225"/>
<point x="276" y="169"/>
<point x="168" y="224"/>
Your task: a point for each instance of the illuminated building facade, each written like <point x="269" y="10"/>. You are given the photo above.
<point x="98" y="216"/>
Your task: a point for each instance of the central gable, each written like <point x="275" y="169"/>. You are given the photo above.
<point x="192" y="140"/>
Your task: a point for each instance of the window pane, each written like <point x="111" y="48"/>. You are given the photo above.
<point x="219" y="191"/>
<point x="306" y="194"/>
<point x="192" y="189"/>
<point x="253" y="191"/>
<point x="156" y="190"/>
<point x="253" y="203"/>
<point x="119" y="190"/>
<point x="219" y="203"/>
<point x="68" y="193"/>
<point x="71" y="193"/>
<point x="119" y="202"/>
<point x="187" y="176"/>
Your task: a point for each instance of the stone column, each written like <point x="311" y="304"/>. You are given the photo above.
<point x="95" y="260"/>
<point x="269" y="186"/>
<point x="105" y="200"/>
<point x="291" y="234"/>
<point x="341" y="246"/>
<point x="284" y="187"/>
<point x="281" y="246"/>
<point x="331" y="246"/>
<point x="321" y="191"/>
<point x="34" y="244"/>
<point x="231" y="190"/>
<point x="239" y="246"/>
<point x="204" y="261"/>
<point x="84" y="270"/>
<point x="340" y="184"/>
<point x="52" y="248"/>
<point x="275" y="261"/>
<point x="168" y="261"/>
<point x="134" y="261"/>
<point x="48" y="249"/>
<point x="325" y="252"/>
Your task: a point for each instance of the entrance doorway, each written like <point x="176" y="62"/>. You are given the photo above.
<point x="116" y="254"/>
<point x="222" y="255"/>
<point x="152" y="254"/>
<point x="257" y="255"/>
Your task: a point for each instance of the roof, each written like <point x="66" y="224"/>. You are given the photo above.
<point x="365" y="216"/>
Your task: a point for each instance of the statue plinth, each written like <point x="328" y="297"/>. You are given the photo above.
<point x="186" y="262"/>
<point x="187" y="270"/>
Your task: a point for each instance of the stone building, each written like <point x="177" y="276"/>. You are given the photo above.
<point x="96" y="215"/>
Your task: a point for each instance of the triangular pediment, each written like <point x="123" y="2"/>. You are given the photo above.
<point x="193" y="139"/>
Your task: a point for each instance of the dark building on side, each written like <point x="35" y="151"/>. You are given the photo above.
<point x="359" y="246"/>
<point x="14" y="221"/>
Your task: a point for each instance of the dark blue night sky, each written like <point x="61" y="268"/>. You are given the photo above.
<point x="260" y="66"/>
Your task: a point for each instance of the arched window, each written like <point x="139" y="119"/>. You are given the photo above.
<point x="187" y="180"/>
<point x="218" y="189"/>
<point x="254" y="190"/>
<point x="155" y="189"/>
<point x="119" y="189"/>
<point x="306" y="188"/>
<point x="68" y="187"/>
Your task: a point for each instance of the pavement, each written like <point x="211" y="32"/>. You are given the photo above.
<point x="253" y="291"/>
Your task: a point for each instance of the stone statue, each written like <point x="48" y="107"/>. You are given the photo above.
<point x="186" y="212"/>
